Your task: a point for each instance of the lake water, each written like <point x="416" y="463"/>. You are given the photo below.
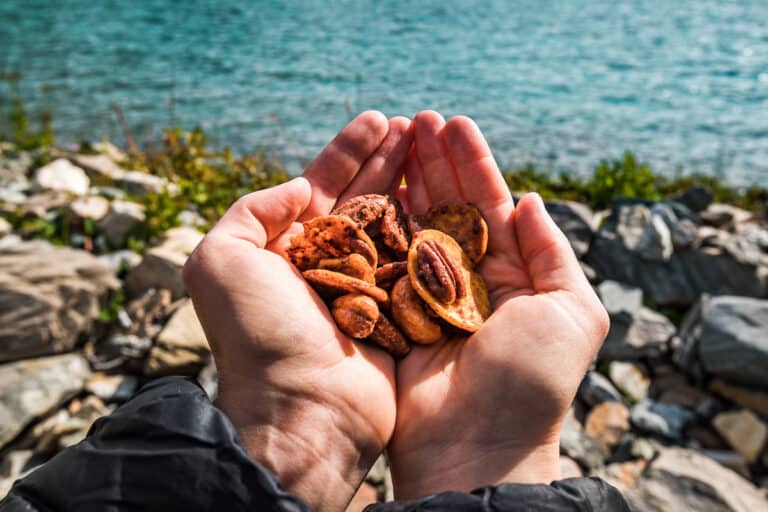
<point x="561" y="83"/>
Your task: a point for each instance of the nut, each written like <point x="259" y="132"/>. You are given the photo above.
<point x="363" y="209"/>
<point x="387" y="274"/>
<point x="353" y="265"/>
<point x="463" y="222"/>
<point x="388" y="336"/>
<point x="394" y="229"/>
<point x="332" y="284"/>
<point x="439" y="272"/>
<point x="411" y="314"/>
<point x="355" y="314"/>
<point x="330" y="236"/>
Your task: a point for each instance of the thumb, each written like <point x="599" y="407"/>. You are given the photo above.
<point x="546" y="252"/>
<point x="261" y="216"/>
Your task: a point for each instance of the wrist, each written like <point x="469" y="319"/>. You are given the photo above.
<point x="462" y="468"/>
<point x="312" y="447"/>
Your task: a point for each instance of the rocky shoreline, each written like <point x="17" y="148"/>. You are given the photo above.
<point x="674" y="411"/>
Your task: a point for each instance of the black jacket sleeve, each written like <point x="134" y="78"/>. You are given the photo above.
<point x="169" y="448"/>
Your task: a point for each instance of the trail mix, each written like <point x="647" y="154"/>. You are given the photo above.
<point x="395" y="279"/>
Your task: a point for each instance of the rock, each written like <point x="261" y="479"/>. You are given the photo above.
<point x="118" y="351"/>
<point x="365" y="495"/>
<point x="574" y="220"/>
<point x="30" y="389"/>
<point x="622" y="475"/>
<point x="608" y="422"/>
<point x="139" y="183"/>
<point x="743" y="431"/>
<point x="65" y="427"/>
<point x="569" y="468"/>
<point x="685" y="277"/>
<point x="122" y="218"/>
<point x="683" y="231"/>
<point x="703" y="437"/>
<point x="378" y="472"/>
<point x="110" y="150"/>
<point x="754" y="400"/>
<point x="161" y="266"/>
<point x="644" y="232"/>
<point x="112" y="388"/>
<point x="15" y="465"/>
<point x="696" y="198"/>
<point x="14" y="166"/>
<point x="589" y="272"/>
<point x="645" y="333"/>
<point x="61" y="175"/>
<point x="724" y="215"/>
<point x="90" y="207"/>
<point x="666" y="420"/>
<point x="9" y="240"/>
<point x="729" y="459"/>
<point x="118" y="261"/>
<point x="5" y="227"/>
<point x="630" y="379"/>
<point x="619" y="297"/>
<point x="181" y="347"/>
<point x="49" y="297"/>
<point x="575" y="443"/>
<point x="596" y="389"/>
<point x="631" y="222"/>
<point x="100" y="168"/>
<point x="681" y="479"/>
<point x="703" y="404"/>
<point x="191" y="219"/>
<point x="732" y="343"/>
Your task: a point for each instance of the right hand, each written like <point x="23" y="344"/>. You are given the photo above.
<point x="309" y="403"/>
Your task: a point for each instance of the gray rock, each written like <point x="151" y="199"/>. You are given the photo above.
<point x="724" y="215"/>
<point x="574" y="220"/>
<point x="696" y="198"/>
<point x="666" y="420"/>
<point x="117" y="351"/>
<point x="112" y="388"/>
<point x="681" y="479"/>
<point x="122" y="218"/>
<point x="630" y="378"/>
<point x="119" y="260"/>
<point x="30" y="389"/>
<point x="619" y="297"/>
<point x="181" y="347"/>
<point x="632" y="337"/>
<point x="140" y="183"/>
<point x="596" y="389"/>
<point x="15" y="465"/>
<point x="682" y="231"/>
<point x="49" y="297"/>
<point x="14" y="166"/>
<point x="727" y="336"/>
<point x="99" y="167"/>
<point x="575" y="443"/>
<point x="62" y="176"/>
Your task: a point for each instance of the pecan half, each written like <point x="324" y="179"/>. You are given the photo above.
<point x="355" y="314"/>
<point x="387" y="274"/>
<point x="388" y="336"/>
<point x="440" y="273"/>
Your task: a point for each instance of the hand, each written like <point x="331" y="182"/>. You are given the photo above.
<point x="310" y="404"/>
<point x="488" y="408"/>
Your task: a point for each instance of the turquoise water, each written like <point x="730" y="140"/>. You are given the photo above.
<point x="560" y="83"/>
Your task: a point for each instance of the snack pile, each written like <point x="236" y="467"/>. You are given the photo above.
<point x="396" y="279"/>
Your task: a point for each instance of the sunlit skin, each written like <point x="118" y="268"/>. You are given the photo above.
<point x="317" y="408"/>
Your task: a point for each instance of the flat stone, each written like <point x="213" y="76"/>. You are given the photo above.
<point x="731" y="460"/>
<point x="666" y="420"/>
<point x="181" y="346"/>
<point x="630" y="379"/>
<point x="681" y="479"/>
<point x="595" y="389"/>
<point x="112" y="388"/>
<point x="575" y="443"/>
<point x="752" y="399"/>
<point x="122" y="218"/>
<point x="49" y="297"/>
<point x="569" y="468"/>
<point x="90" y="207"/>
<point x="100" y="168"/>
<point x="619" y="297"/>
<point x="608" y="422"/>
<point x="744" y="431"/>
<point x="644" y="334"/>
<point x="32" y="388"/>
<point x="61" y="175"/>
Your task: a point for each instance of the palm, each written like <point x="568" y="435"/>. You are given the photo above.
<point x="510" y="383"/>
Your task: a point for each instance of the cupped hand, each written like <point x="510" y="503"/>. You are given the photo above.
<point x="308" y="402"/>
<point x="487" y="408"/>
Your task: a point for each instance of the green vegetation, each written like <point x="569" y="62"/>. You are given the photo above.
<point x="19" y="130"/>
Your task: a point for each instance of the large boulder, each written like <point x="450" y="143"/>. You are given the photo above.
<point x="726" y="336"/>
<point x="681" y="479"/>
<point x="49" y="297"/>
<point x="30" y="389"/>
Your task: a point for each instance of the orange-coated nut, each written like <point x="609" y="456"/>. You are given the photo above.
<point x="332" y="284"/>
<point x="355" y="314"/>
<point x="410" y="314"/>
<point x="353" y="265"/>
<point x="330" y="236"/>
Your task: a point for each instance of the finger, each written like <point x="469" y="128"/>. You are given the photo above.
<point x="478" y="175"/>
<point x="439" y="176"/>
<point x="545" y="250"/>
<point x="401" y="194"/>
<point x="260" y="217"/>
<point x="418" y="197"/>
<point x="338" y="164"/>
<point x="380" y="173"/>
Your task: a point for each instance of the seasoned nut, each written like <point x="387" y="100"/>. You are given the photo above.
<point x="467" y="312"/>
<point x="463" y="222"/>
<point x="332" y="284"/>
<point x="411" y="314"/>
<point x="353" y="265"/>
<point x="355" y="314"/>
<point x="440" y="272"/>
<point x="331" y="236"/>
<point x="388" y="336"/>
<point x="394" y="229"/>
<point x="387" y="274"/>
<point x="363" y="209"/>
